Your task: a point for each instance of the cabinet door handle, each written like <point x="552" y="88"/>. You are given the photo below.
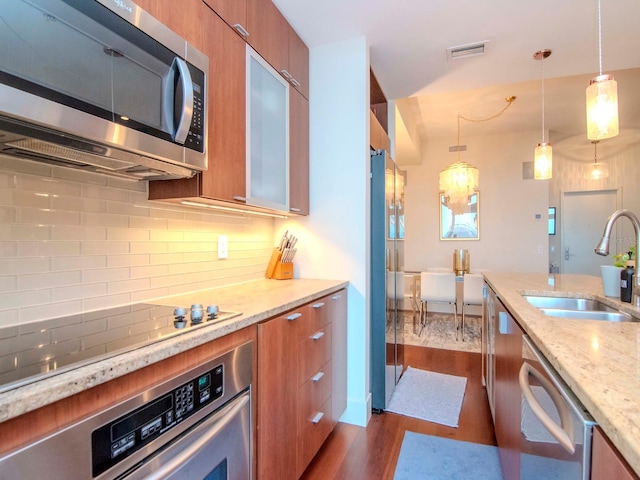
<point x="336" y="297"/>
<point x="317" y="376"/>
<point x="240" y="199"/>
<point x="286" y="74"/>
<point x="318" y="305"/>
<point x="318" y="417"/>
<point x="294" y="209"/>
<point x="294" y="316"/>
<point x="241" y="30"/>
<point x="294" y="82"/>
<point x="317" y="336"/>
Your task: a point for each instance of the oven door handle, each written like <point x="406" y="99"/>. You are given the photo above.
<point x="563" y="434"/>
<point x="174" y="464"/>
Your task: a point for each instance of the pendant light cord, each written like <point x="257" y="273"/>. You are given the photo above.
<point x="509" y="101"/>
<point x="599" y="38"/>
<point x="542" y="84"/>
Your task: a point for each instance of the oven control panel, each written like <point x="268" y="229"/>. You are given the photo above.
<point x="119" y="438"/>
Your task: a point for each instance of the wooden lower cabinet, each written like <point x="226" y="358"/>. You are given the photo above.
<point x="300" y="388"/>
<point x="606" y="461"/>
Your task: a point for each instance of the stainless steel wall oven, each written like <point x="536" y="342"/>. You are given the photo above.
<point x="196" y="426"/>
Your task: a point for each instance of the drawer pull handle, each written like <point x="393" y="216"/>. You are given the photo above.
<point x="294" y="209"/>
<point x="317" y="376"/>
<point x="317" y="336"/>
<point x="240" y="199"/>
<point x="241" y="30"/>
<point x="294" y="316"/>
<point x="318" y="305"/>
<point x="295" y="82"/>
<point x="318" y="417"/>
<point x="336" y="297"/>
<point x="286" y="74"/>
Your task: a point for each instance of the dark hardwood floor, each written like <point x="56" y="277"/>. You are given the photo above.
<point x="357" y="453"/>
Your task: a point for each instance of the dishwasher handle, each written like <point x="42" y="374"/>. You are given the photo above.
<point x="562" y="433"/>
<point x="175" y="463"/>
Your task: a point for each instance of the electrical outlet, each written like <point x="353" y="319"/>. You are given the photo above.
<point x="223" y="246"/>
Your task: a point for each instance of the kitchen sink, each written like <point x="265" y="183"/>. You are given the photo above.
<point x="578" y="308"/>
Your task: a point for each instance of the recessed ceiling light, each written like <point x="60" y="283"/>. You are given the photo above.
<point x="468" y="50"/>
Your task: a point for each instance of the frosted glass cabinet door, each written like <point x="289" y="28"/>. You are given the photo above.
<point x="267" y="135"/>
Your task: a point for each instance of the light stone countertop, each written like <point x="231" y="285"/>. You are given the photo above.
<point x="257" y="300"/>
<point x="598" y="360"/>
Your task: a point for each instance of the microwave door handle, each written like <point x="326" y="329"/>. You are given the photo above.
<point x="563" y="434"/>
<point x="186" y="110"/>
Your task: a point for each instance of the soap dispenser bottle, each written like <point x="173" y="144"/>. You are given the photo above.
<point x="626" y="281"/>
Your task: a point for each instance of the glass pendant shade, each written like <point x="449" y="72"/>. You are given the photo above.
<point x="602" y="108"/>
<point x="542" y="162"/>
<point x="457" y="182"/>
<point x="597" y="171"/>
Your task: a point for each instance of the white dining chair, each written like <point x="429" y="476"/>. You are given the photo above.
<point x="437" y="287"/>
<point x="472" y="293"/>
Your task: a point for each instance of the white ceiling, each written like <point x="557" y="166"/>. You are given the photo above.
<point x="408" y="41"/>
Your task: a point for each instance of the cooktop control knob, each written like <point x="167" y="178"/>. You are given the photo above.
<point x="196" y="313"/>
<point x="179" y="313"/>
<point x="212" y="311"/>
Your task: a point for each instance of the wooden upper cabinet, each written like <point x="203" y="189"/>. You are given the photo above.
<point x="268" y="33"/>
<point x="181" y="17"/>
<point x="298" y="63"/>
<point x="234" y="12"/>
<point x="298" y="153"/>
<point x="225" y="177"/>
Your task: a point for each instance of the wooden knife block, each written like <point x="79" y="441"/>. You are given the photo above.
<point x="278" y="270"/>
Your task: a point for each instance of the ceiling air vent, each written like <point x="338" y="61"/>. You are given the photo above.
<point x="469" y="50"/>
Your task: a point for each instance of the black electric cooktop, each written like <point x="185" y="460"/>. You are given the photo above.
<point x="33" y="351"/>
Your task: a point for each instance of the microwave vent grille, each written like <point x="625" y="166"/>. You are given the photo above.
<point x="69" y="154"/>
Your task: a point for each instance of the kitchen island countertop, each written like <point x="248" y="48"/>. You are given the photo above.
<point x="258" y="300"/>
<point x="598" y="360"/>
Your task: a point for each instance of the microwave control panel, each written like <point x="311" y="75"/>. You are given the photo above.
<point x="119" y="438"/>
<point x="195" y="138"/>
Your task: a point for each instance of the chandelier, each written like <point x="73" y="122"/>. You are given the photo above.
<point x="602" y="100"/>
<point x="460" y="180"/>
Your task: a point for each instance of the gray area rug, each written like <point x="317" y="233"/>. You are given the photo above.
<point x="434" y="397"/>
<point x="436" y="458"/>
<point x="425" y="457"/>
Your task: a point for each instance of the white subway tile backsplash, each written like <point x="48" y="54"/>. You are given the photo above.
<point x="72" y="241"/>
<point x="48" y="249"/>
<point x="78" y="232"/>
<point x="81" y="263"/>
<point x="45" y="280"/>
<point x="78" y="292"/>
<point x="40" y="216"/>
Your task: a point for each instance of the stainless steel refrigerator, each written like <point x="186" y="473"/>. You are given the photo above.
<point x="387" y="277"/>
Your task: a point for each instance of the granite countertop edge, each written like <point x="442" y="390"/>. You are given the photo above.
<point x="275" y="297"/>
<point x="598" y="360"/>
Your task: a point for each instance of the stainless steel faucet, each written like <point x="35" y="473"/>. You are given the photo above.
<point x="603" y="247"/>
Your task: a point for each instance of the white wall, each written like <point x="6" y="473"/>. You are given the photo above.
<point x="334" y="238"/>
<point x="511" y="238"/>
<point x="73" y="241"/>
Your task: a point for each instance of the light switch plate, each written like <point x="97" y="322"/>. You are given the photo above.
<point x="223" y="246"/>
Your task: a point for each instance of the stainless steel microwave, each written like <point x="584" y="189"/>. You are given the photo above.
<point x="100" y="85"/>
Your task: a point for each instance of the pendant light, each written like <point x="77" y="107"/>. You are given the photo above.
<point x="597" y="170"/>
<point x="602" y="99"/>
<point x="460" y="180"/>
<point x="543" y="155"/>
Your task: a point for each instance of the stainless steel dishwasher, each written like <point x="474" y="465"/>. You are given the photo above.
<point x="194" y="426"/>
<point x="556" y="429"/>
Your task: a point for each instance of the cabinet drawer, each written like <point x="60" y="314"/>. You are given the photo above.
<point x="313" y="394"/>
<point x="316" y="316"/>
<point x="313" y="352"/>
<point x="312" y="435"/>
